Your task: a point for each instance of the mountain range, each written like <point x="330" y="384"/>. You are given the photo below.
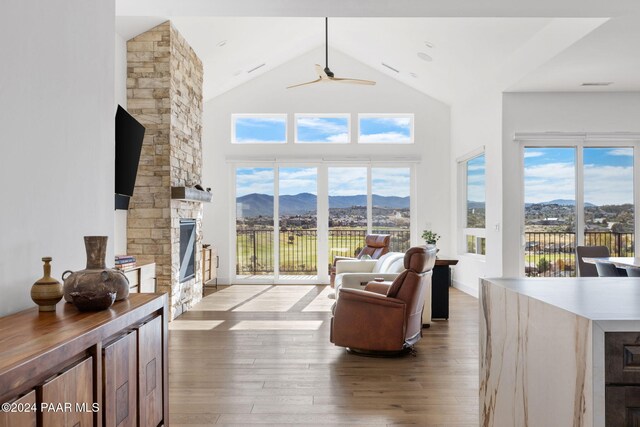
<point x="560" y="202"/>
<point x="255" y="204"/>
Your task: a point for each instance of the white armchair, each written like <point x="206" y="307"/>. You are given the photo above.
<point x="355" y="274"/>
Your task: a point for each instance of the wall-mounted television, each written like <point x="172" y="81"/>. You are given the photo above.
<point x="129" y="136"/>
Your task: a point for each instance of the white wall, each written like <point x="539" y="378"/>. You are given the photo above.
<point x="555" y="112"/>
<point x="120" y="223"/>
<point x="57" y="121"/>
<point x="476" y="123"/>
<point x="267" y="94"/>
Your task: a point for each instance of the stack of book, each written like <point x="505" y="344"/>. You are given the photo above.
<point x="125" y="262"/>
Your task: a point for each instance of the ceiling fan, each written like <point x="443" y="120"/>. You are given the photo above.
<point x="326" y="75"/>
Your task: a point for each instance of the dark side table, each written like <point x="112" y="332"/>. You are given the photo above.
<point x="440" y="282"/>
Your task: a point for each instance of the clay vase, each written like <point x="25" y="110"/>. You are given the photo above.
<point x="96" y="280"/>
<point x="47" y="291"/>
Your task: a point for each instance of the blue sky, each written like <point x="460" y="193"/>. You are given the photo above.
<point x="476" y="179"/>
<point x="322" y="129"/>
<point x="318" y="129"/>
<point x="385" y="129"/>
<point x="550" y="174"/>
<point x="260" y="130"/>
<point x="347" y="181"/>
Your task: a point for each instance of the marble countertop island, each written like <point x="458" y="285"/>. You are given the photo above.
<point x="542" y="347"/>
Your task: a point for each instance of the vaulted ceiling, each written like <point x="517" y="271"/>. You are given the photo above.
<point x="441" y="57"/>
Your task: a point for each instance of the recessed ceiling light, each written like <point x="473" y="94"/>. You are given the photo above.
<point x="424" y="57"/>
<point x="222" y="43"/>
<point x="429" y="45"/>
<point x="597" y="83"/>
<point x="255" y="68"/>
<point x="390" y="67"/>
<point x="414" y="75"/>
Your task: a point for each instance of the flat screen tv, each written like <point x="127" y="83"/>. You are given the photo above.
<point x="129" y="136"/>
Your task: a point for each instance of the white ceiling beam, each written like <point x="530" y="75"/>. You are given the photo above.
<point x="379" y="8"/>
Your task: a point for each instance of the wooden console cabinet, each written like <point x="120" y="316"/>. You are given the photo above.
<point x="142" y="278"/>
<point x="105" y="368"/>
<point x="210" y="264"/>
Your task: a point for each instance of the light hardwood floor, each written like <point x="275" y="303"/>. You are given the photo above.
<point x="230" y="364"/>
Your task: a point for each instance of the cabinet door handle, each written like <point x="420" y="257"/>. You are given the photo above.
<point x="217" y="261"/>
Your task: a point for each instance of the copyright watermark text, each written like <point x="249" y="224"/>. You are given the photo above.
<point x="50" y="407"/>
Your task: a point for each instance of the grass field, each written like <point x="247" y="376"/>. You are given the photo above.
<point x="298" y="248"/>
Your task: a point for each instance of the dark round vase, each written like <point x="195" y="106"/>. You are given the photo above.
<point x="96" y="279"/>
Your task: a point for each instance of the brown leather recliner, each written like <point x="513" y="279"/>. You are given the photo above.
<point x="375" y="245"/>
<point x="382" y="318"/>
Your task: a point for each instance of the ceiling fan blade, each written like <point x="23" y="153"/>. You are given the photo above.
<point x="320" y="72"/>
<point x="356" y="81"/>
<point x="307" y="83"/>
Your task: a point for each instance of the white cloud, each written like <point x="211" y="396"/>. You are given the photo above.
<point x="258" y="181"/>
<point x="391" y="181"/>
<point x="602" y="184"/>
<point x="323" y="124"/>
<point x="341" y="137"/>
<point x="621" y="152"/>
<point x="347" y="181"/>
<point x="298" y="180"/>
<point x="475" y="167"/>
<point x="395" y="121"/>
<point x="608" y="185"/>
<point x="476" y="193"/>
<point x="385" y="137"/>
<point x="528" y="154"/>
<point x="476" y="179"/>
<point x="549" y="181"/>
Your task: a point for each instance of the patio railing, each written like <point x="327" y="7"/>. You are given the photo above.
<point x="298" y="248"/>
<point x="553" y="254"/>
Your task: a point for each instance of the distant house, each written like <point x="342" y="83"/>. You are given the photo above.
<point x="532" y="246"/>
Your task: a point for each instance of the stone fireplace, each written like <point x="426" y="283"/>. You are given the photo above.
<point x="164" y="93"/>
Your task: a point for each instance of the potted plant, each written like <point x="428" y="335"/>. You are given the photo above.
<point x="430" y="237"/>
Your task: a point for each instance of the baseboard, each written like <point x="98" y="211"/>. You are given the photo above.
<point x="465" y="288"/>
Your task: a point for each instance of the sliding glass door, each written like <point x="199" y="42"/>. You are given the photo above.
<point x="550" y="211"/>
<point x="566" y="189"/>
<point x="277" y="233"/>
<point x="391" y="202"/>
<point x="608" y="199"/>
<point x="254" y="223"/>
<point x="298" y="222"/>
<point x="347" y="210"/>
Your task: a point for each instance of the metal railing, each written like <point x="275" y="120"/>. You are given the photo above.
<point x="298" y="248"/>
<point x="553" y="254"/>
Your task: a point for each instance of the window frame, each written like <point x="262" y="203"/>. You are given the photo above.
<point x="577" y="141"/>
<point x="464" y="231"/>
<point x="410" y="116"/>
<point x="235" y="116"/>
<point x="296" y="116"/>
